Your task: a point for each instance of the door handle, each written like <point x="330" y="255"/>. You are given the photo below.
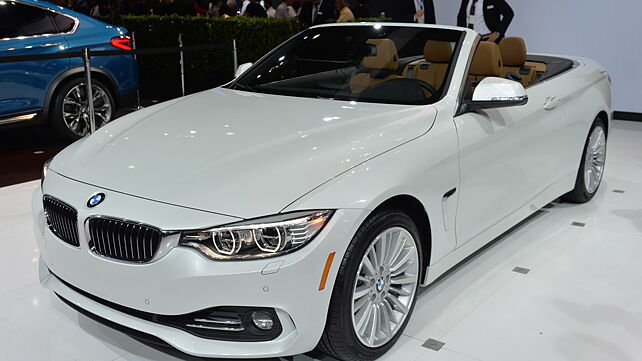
<point x="551" y="103"/>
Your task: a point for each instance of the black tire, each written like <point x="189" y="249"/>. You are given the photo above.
<point x="56" y="119"/>
<point x="580" y="193"/>
<point x="339" y="339"/>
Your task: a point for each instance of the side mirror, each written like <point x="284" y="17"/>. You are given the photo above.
<point x="242" y="69"/>
<point x="498" y="93"/>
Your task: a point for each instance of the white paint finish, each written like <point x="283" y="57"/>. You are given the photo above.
<point x="495" y="89"/>
<point x="238" y="153"/>
<point x="175" y="165"/>
<point x="445" y="311"/>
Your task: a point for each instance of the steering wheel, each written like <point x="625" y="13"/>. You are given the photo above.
<point x="427" y="86"/>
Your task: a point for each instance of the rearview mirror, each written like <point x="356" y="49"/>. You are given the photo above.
<point x="498" y="93"/>
<point x="242" y="69"/>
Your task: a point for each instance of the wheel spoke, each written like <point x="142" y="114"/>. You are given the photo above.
<point x="401" y="261"/>
<point x="374" y="325"/>
<point x="368" y="267"/>
<point x="374" y="259"/>
<point x="358" y="306"/>
<point x="362" y="315"/>
<point x="397" y="305"/>
<point x="361" y="291"/>
<point x="403" y="280"/>
<point x="400" y="291"/>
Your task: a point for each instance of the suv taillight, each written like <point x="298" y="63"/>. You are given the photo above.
<point x="122" y="42"/>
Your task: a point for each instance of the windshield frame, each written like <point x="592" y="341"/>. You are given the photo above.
<point x="237" y="83"/>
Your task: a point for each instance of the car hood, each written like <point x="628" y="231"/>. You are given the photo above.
<point x="238" y="153"/>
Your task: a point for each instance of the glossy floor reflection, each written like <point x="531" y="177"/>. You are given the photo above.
<point x="580" y="299"/>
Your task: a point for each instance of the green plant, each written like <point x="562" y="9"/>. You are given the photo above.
<point x="160" y="74"/>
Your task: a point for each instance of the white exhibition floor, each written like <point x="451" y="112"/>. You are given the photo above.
<point x="580" y="301"/>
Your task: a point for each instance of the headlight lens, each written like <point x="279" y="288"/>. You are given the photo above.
<point x="45" y="169"/>
<point x="260" y="238"/>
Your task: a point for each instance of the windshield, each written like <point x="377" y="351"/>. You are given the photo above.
<point x="367" y="63"/>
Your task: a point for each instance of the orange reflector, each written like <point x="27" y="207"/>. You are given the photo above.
<point x="326" y="270"/>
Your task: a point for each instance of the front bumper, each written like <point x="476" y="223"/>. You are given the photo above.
<point x="183" y="281"/>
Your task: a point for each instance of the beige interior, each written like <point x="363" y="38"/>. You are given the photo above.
<point x="510" y="55"/>
<point x="513" y="51"/>
<point x="487" y="61"/>
<point x="433" y="67"/>
<point x="384" y="59"/>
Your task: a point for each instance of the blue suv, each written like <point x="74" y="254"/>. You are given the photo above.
<point x="53" y="92"/>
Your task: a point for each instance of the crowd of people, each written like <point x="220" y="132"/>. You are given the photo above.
<point x="310" y="12"/>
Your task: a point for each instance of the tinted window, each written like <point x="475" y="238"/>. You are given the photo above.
<point x="24" y="20"/>
<point x="64" y="23"/>
<point x="381" y="64"/>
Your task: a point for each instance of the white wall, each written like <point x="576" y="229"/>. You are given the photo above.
<point x="607" y="31"/>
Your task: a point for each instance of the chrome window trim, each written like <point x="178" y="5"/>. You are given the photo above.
<point x="169" y="240"/>
<point x="76" y="23"/>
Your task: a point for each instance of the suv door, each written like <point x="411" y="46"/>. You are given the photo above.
<point x="27" y="29"/>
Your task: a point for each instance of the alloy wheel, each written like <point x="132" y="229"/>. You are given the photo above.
<point x="385" y="287"/>
<point x="595" y="159"/>
<point x="75" y="109"/>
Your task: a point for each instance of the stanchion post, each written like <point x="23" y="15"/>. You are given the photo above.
<point x="180" y="45"/>
<point x="136" y="58"/>
<point x="235" y="56"/>
<point x="86" y="57"/>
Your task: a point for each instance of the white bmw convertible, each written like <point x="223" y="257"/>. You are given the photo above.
<point x="303" y="204"/>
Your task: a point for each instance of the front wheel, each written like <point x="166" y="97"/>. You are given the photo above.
<point x="70" y="109"/>
<point x="375" y="290"/>
<point x="592" y="165"/>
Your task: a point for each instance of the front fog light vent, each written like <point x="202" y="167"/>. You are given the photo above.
<point x="262" y="320"/>
<point x="229" y="323"/>
<point x="217" y="324"/>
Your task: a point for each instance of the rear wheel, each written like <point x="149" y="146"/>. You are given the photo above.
<point x="375" y="290"/>
<point x="70" y="109"/>
<point x="591" y="170"/>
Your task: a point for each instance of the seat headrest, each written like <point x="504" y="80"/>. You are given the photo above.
<point x="438" y="51"/>
<point x="513" y="51"/>
<point x="385" y="58"/>
<point x="487" y="60"/>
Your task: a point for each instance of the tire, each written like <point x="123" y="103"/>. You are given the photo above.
<point x="340" y="339"/>
<point x="75" y="92"/>
<point x="593" y="161"/>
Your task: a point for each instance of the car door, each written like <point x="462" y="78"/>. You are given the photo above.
<point x="29" y="30"/>
<point x="505" y="161"/>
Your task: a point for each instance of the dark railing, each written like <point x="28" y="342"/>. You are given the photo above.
<point x="86" y="54"/>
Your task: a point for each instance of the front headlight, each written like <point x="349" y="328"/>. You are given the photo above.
<point x="259" y="238"/>
<point x="45" y="169"/>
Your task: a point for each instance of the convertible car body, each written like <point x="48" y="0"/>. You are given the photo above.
<point x="304" y="203"/>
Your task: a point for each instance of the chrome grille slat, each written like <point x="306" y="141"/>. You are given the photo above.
<point x="62" y="220"/>
<point x="123" y="240"/>
<point x="219" y="321"/>
<point x="216" y="328"/>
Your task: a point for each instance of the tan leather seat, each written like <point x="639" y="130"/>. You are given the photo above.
<point x="487" y="61"/>
<point x="433" y="68"/>
<point x="513" y="51"/>
<point x="377" y="68"/>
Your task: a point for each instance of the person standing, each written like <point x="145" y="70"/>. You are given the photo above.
<point x="255" y="10"/>
<point x="316" y="12"/>
<point x="490" y="18"/>
<point x="285" y="10"/>
<point x="425" y="12"/>
<point x="345" y="14"/>
<point x="269" y="9"/>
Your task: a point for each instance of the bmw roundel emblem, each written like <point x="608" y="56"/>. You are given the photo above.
<point x="95" y="200"/>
